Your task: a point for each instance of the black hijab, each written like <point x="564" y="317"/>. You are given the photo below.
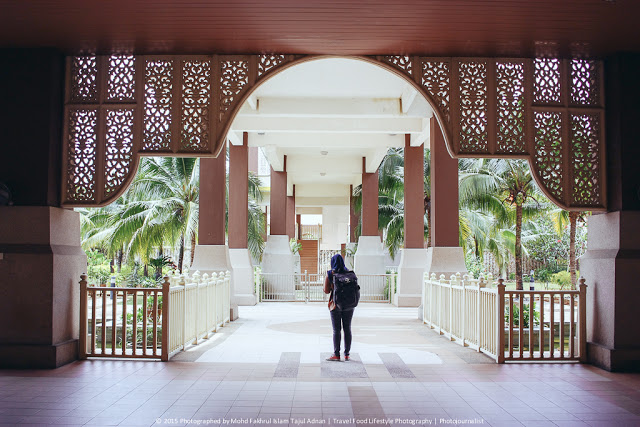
<point x="337" y="264"/>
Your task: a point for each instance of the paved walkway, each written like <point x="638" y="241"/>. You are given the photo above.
<point x="268" y="368"/>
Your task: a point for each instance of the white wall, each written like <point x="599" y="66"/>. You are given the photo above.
<point x="335" y="226"/>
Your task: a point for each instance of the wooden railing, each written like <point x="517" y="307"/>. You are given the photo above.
<point x="152" y="323"/>
<point x="473" y="314"/>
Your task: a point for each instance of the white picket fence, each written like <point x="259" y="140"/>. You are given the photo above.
<point x="497" y="322"/>
<point x="199" y="305"/>
<point x="134" y="322"/>
<point x="308" y="287"/>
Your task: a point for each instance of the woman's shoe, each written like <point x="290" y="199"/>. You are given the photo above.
<point x="334" y="358"/>
<point x="346" y="358"/>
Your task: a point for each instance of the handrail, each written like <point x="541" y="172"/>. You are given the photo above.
<point x="162" y="320"/>
<point x="502" y="324"/>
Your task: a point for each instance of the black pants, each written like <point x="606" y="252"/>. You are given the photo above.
<point x="341" y="320"/>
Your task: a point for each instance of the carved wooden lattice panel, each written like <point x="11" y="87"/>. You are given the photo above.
<point x="547" y="108"/>
<point x="234" y="76"/>
<point x="548" y="154"/>
<point x="547" y="88"/>
<point x="585" y="159"/>
<point x="158" y="105"/>
<point x="510" y="114"/>
<point x="585" y="79"/>
<point x="82" y="155"/>
<point x="118" y="149"/>
<point x="121" y="78"/>
<point x="268" y="63"/>
<point x="403" y="63"/>
<point x="473" y="135"/>
<point x="84" y="79"/>
<point x="436" y="79"/>
<point x="196" y="100"/>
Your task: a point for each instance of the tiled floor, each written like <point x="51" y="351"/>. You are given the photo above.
<point x="267" y="369"/>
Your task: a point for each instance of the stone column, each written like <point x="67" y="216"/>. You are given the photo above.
<point x="41" y="259"/>
<point x="445" y="256"/>
<point x="242" y="274"/>
<point x="291" y="215"/>
<point x="212" y="253"/>
<point x="413" y="259"/>
<point x="277" y="256"/>
<point x="369" y="257"/>
<point x="611" y="265"/>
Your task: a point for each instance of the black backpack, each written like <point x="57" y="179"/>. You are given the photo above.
<point x="346" y="292"/>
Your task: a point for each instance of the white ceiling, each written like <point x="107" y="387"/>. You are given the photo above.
<point x="325" y="115"/>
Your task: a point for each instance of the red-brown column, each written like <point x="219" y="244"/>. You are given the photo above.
<point x="278" y="201"/>
<point x="212" y="200"/>
<point x="413" y="195"/>
<point x="353" y="217"/>
<point x="291" y="215"/>
<point x="444" y="192"/>
<point x="238" y="194"/>
<point x="369" y="201"/>
<point x="299" y="226"/>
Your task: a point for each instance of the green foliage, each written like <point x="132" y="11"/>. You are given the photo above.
<point x="137" y="279"/>
<point x="562" y="278"/>
<point x="542" y="275"/>
<point x="295" y="246"/>
<point x="474" y="266"/>
<point x="391" y="280"/>
<point x="525" y="315"/>
<point x="98" y="268"/>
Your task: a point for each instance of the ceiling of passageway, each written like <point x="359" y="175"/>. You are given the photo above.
<point x="325" y="115"/>
<point x="427" y="27"/>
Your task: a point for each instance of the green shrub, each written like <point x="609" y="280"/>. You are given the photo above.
<point x="562" y="278"/>
<point x="512" y="276"/>
<point x="542" y="275"/>
<point x="525" y="315"/>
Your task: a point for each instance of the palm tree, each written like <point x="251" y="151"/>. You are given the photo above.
<point x="165" y="199"/>
<point x="506" y="189"/>
<point x="560" y="219"/>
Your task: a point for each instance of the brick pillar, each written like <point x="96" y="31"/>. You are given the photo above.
<point x="291" y="214"/>
<point x="444" y="191"/>
<point x="278" y="201"/>
<point x="369" y="201"/>
<point x="353" y="217"/>
<point x="212" y="200"/>
<point x="413" y="195"/>
<point x="238" y="194"/>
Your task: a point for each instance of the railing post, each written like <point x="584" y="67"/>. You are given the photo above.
<point x="182" y="282"/>
<point x="166" y="286"/>
<point x="479" y="317"/>
<point x="306" y="287"/>
<point x="82" y="339"/>
<point x="452" y="283"/>
<point x="583" y="321"/>
<point x="500" y="321"/>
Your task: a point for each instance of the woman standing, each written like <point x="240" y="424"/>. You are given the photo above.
<point x="340" y="317"/>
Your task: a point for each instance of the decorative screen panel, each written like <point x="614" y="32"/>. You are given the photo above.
<point x="401" y="62"/>
<point x="158" y="104"/>
<point x="547" y="88"/>
<point x="510" y="115"/>
<point x="436" y="78"/>
<point x="121" y="78"/>
<point x="548" y="156"/>
<point x="585" y="159"/>
<point x="82" y="155"/>
<point x="196" y="100"/>
<point x="233" y="78"/>
<point x="585" y="83"/>
<point x="118" y="149"/>
<point x="84" y="79"/>
<point x="472" y="81"/>
<point x="269" y="62"/>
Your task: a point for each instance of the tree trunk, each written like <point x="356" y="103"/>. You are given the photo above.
<point x="120" y="258"/>
<point x="573" y="220"/>
<point x="181" y="254"/>
<point x="518" y="257"/>
<point x="112" y="264"/>
<point x="158" y="273"/>
<point x="146" y="270"/>
<point x="193" y="247"/>
<point x="427" y="210"/>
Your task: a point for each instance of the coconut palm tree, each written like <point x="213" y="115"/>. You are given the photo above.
<point x="561" y="219"/>
<point x="506" y="189"/>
